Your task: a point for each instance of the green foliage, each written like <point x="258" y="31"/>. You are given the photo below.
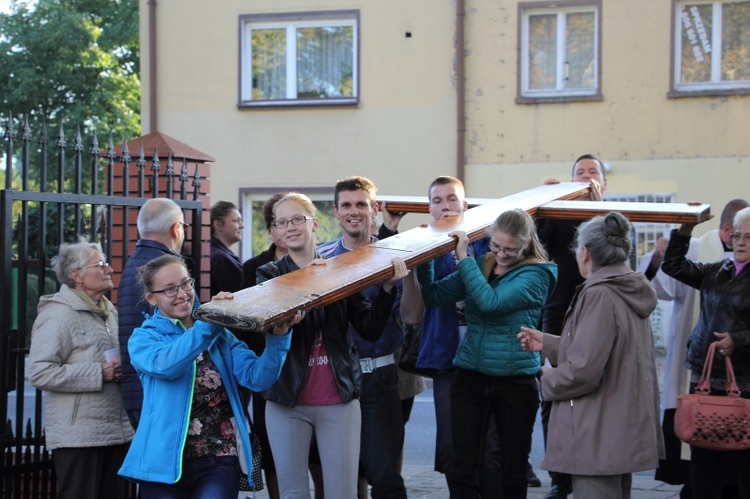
<point x="73" y="62"/>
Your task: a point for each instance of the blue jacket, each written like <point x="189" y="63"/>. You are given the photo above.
<point x="495" y="311"/>
<point x="165" y="354"/>
<point x="439" y="335"/>
<point x="131" y="308"/>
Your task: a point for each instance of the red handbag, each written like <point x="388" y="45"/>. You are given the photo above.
<point x="714" y="422"/>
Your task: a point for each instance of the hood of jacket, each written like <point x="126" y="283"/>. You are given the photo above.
<point x="67" y="296"/>
<point x="634" y="290"/>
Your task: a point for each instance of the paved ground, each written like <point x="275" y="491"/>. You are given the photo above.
<point x="424" y="483"/>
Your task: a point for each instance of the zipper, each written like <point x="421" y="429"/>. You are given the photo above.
<point x="187" y="422"/>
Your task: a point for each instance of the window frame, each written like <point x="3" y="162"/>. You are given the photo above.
<point x="710" y="89"/>
<point x="289" y="21"/>
<point x="526" y="96"/>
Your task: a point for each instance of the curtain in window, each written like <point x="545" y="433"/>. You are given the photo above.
<point x="269" y="64"/>
<point x="325" y="58"/>
<point x="542" y="52"/>
<point x="735" y="42"/>
<point x="580" y="50"/>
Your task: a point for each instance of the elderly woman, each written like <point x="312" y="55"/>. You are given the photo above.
<point x="74" y="358"/>
<point x="604" y="423"/>
<point x="724" y="288"/>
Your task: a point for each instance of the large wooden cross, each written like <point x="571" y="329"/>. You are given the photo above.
<point x="275" y="301"/>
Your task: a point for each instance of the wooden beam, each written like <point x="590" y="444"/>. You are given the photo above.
<point x="579" y="210"/>
<point x="273" y="302"/>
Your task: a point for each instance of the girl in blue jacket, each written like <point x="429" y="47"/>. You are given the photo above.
<point x="185" y="445"/>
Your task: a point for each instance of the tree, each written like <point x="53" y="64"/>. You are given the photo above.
<point x="73" y="62"/>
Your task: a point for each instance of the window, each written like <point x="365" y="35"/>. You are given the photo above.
<point x="712" y="46"/>
<point x="299" y="59"/>
<point x="560" y="53"/>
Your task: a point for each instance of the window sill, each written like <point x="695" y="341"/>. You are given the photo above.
<point x="681" y="94"/>
<point x="563" y="99"/>
<point x="296" y="103"/>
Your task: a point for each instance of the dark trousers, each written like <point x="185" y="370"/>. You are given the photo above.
<point x="90" y="472"/>
<point x="382" y="437"/>
<point x="475" y="398"/>
<point x="202" y="478"/>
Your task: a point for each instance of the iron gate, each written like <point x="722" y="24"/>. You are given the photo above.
<point x="50" y="198"/>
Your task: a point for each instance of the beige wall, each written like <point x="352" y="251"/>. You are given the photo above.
<point x="403" y="133"/>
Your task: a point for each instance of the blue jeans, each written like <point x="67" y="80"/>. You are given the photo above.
<point x="202" y="478"/>
<point x="475" y="398"/>
<point x="382" y="432"/>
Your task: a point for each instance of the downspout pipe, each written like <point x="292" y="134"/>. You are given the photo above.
<point x="460" y="90"/>
<point x="152" y="99"/>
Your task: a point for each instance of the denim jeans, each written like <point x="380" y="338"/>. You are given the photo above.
<point x="382" y="432"/>
<point x="475" y="398"/>
<point x="202" y="478"/>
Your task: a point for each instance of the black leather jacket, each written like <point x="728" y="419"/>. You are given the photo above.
<point x="724" y="307"/>
<point x="369" y="321"/>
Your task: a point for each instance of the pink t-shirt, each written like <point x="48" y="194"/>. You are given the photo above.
<point x="319" y="386"/>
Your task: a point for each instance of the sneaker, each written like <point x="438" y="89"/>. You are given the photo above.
<point x="557" y="492"/>
<point x="531" y="479"/>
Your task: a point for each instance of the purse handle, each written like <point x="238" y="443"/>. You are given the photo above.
<point x="704" y="385"/>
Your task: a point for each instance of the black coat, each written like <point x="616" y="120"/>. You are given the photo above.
<point x="724" y="306"/>
<point x="369" y="320"/>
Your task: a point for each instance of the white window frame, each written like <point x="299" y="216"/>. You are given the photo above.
<point x="715" y="83"/>
<point x="561" y="11"/>
<point x="291" y="22"/>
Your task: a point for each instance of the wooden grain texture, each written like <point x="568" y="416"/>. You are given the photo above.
<point x="675" y="213"/>
<point x="273" y="302"/>
<point x="417" y="204"/>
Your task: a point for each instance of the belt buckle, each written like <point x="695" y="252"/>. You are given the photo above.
<point x="367" y="365"/>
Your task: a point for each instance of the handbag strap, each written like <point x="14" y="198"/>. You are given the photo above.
<point x="704" y="384"/>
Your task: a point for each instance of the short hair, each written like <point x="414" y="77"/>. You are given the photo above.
<point x="519" y="224"/>
<point x="355" y="183"/>
<point x="268" y="208"/>
<point x="300" y="198"/>
<point x="730" y="211"/>
<point x="741" y="217"/>
<point x="607" y="237"/>
<point x="147" y="271"/>
<point x="445" y="180"/>
<point x="593" y="158"/>
<point x="219" y="210"/>
<point x="72" y="256"/>
<point x="157" y="216"/>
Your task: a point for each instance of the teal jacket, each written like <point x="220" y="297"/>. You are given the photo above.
<point x="495" y="311"/>
<point x="164" y="354"/>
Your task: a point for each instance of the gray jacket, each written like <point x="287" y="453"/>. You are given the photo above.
<point x="605" y="393"/>
<point x="65" y="361"/>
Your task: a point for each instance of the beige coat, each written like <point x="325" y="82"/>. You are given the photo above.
<point x="605" y="416"/>
<point x="65" y="361"/>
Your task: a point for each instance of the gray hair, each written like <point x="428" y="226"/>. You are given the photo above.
<point x="157" y="216"/>
<point x="741" y="217"/>
<point x="73" y="256"/>
<point x="607" y="237"/>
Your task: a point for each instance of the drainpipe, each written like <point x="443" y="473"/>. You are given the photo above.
<point x="152" y="101"/>
<point x="460" y="90"/>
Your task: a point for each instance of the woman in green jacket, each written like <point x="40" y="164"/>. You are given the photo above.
<point x="503" y="291"/>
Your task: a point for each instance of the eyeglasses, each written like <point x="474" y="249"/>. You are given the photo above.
<point x="508" y="251"/>
<point x="736" y="236"/>
<point x="184" y="225"/>
<point x="296" y="220"/>
<point x="171" y="291"/>
<point x="101" y="264"/>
